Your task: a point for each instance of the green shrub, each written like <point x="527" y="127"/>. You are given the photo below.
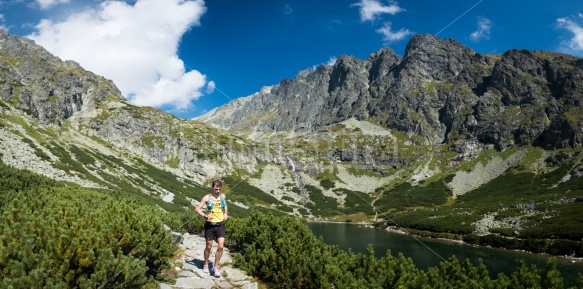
<point x="12" y="179"/>
<point x="57" y="236"/>
<point x="184" y="221"/>
<point x="444" y="220"/>
<point x="73" y="237"/>
<point x="327" y="184"/>
<point x="503" y="231"/>
<point x="356" y="202"/>
<point x="321" y="205"/>
<point x="404" y="195"/>
<point x="565" y="248"/>
<point x="82" y="156"/>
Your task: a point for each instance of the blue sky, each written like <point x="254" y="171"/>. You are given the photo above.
<point x="190" y="56"/>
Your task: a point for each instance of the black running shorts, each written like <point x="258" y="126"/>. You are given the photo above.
<point x="214" y="231"/>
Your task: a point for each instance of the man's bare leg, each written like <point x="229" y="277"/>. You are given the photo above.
<point x="219" y="253"/>
<point x="207" y="251"/>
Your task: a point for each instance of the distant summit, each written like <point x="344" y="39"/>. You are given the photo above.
<point x="439" y="90"/>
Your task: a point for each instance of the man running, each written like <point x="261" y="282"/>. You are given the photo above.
<point x="214" y="226"/>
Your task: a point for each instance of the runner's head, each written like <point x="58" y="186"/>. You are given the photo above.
<point x="216" y="185"/>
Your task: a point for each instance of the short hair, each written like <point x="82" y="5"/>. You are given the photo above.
<point x="216" y="183"/>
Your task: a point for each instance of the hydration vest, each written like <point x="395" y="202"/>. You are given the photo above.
<point x="211" y="201"/>
<point x="216" y="209"/>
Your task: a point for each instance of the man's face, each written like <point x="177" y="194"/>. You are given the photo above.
<point x="217" y="189"/>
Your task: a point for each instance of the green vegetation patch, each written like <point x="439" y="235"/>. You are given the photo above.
<point x="561" y="221"/>
<point x="356" y="202"/>
<point x="75" y="237"/>
<point x="512" y="189"/>
<point x="445" y="220"/>
<point x="68" y="164"/>
<point x="327" y="184"/>
<point x="82" y="156"/>
<point x="37" y="151"/>
<point x="404" y="195"/>
<point x="173" y="162"/>
<point x="247" y="194"/>
<point x="329" y="175"/>
<point x="169" y="182"/>
<point x="152" y="141"/>
<point x="321" y="205"/>
<point x="115" y="161"/>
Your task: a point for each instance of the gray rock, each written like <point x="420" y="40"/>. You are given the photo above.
<point x="250" y="285"/>
<point x="193" y="282"/>
<point x="182" y="274"/>
<point x="190" y="267"/>
<point x="236" y="275"/>
<point x="176" y="237"/>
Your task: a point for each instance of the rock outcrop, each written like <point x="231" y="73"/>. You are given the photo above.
<point x="44" y="86"/>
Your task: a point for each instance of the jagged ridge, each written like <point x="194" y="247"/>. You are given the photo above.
<point x="439" y="90"/>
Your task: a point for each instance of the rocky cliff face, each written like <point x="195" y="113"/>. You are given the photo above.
<point x="44" y="86"/>
<point x="439" y="90"/>
<point x="42" y="89"/>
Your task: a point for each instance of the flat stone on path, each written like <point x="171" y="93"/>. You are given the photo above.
<point x="191" y="275"/>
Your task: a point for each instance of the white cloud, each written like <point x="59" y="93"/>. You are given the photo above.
<point x="370" y="9"/>
<point x="574" y="25"/>
<point x="2" y="21"/>
<point x="178" y="91"/>
<point x="45" y="4"/>
<point x="134" y="45"/>
<point x="483" y="31"/>
<point x="210" y="87"/>
<point x="332" y="60"/>
<point x="390" y="36"/>
<point x="287" y="10"/>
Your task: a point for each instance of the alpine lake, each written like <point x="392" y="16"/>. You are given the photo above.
<point x="427" y="253"/>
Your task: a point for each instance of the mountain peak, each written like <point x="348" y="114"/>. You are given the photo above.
<point x="441" y="90"/>
<point x="44" y="86"/>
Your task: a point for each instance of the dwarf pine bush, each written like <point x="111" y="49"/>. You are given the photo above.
<point x="71" y="237"/>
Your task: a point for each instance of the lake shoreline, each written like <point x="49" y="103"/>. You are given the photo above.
<point x="401" y="232"/>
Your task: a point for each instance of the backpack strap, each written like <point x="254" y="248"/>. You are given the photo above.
<point x="209" y="202"/>
<point x="223" y="201"/>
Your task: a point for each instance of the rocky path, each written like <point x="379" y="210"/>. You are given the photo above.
<point x="191" y="275"/>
